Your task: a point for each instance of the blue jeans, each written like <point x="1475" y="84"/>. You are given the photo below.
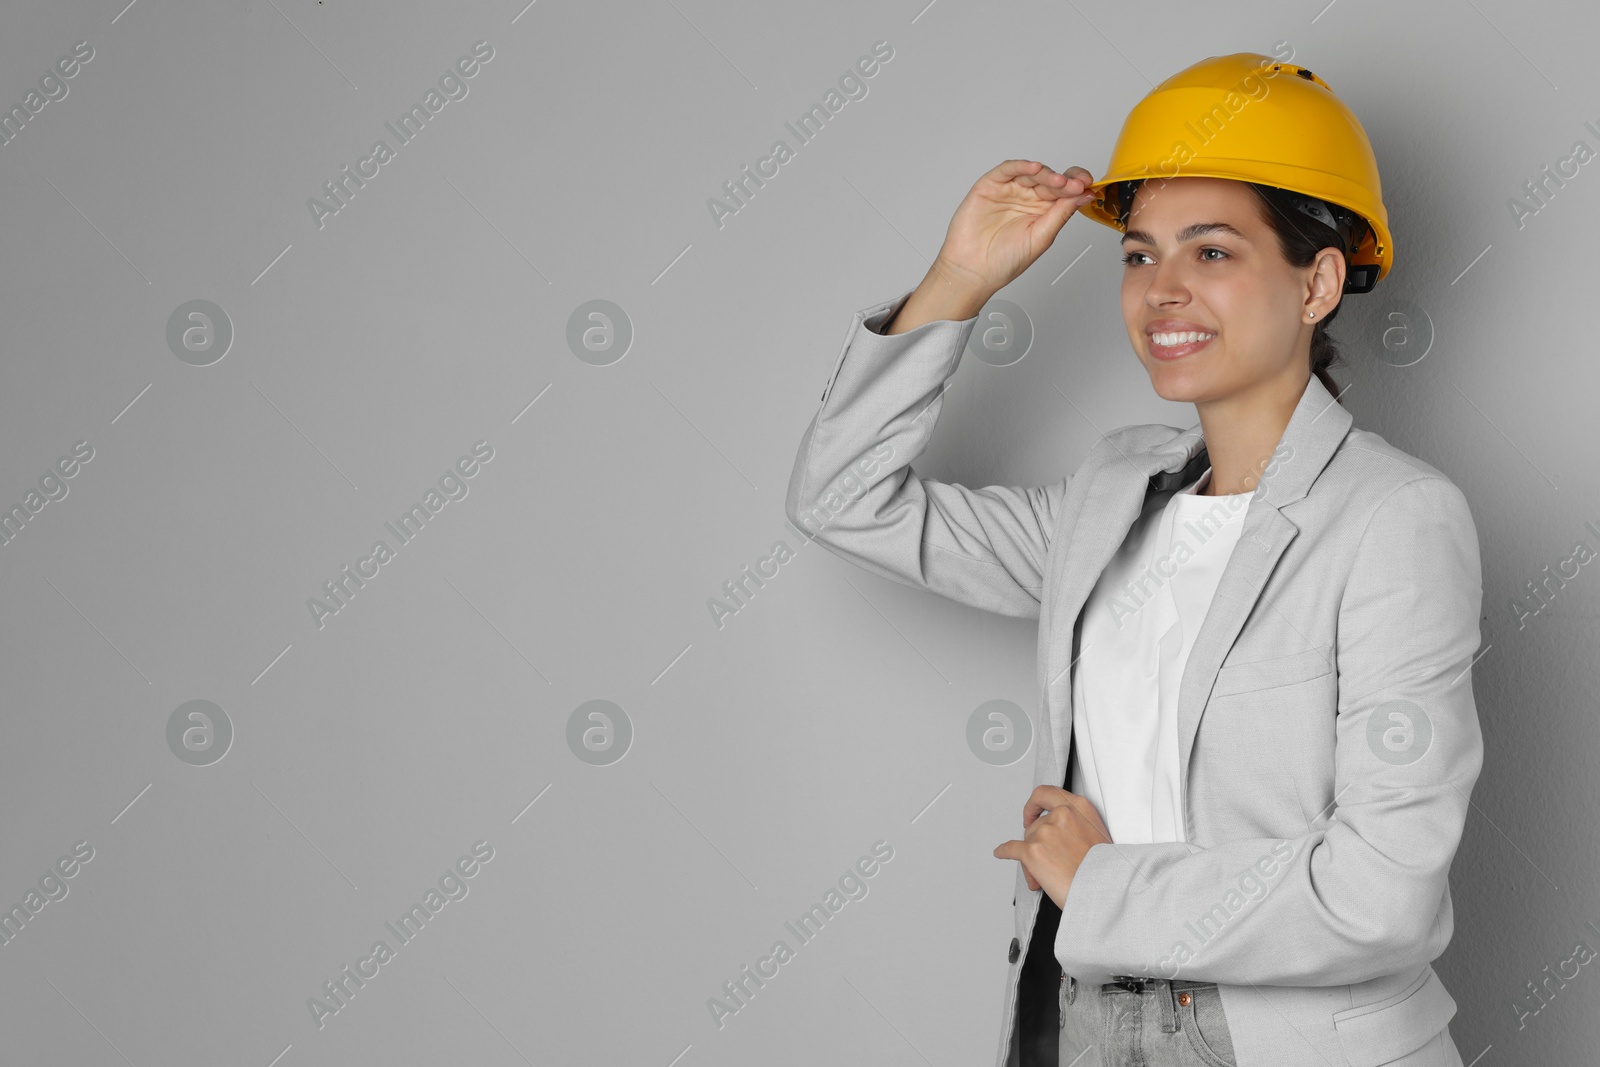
<point x="1156" y="1023"/>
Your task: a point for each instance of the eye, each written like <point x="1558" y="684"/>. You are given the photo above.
<point x="1129" y="261"/>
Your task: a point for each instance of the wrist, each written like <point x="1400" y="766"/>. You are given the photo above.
<point x="958" y="288"/>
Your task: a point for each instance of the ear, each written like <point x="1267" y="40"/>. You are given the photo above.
<point x="1326" y="285"/>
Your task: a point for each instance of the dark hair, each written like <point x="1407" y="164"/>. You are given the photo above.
<point x="1300" y="238"/>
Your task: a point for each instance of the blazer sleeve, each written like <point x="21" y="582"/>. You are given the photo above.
<point x="853" y="488"/>
<point x="1364" y="893"/>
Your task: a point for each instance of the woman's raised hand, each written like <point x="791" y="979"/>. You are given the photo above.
<point x="1007" y="220"/>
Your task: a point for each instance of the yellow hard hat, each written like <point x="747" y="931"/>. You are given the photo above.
<point x="1251" y="118"/>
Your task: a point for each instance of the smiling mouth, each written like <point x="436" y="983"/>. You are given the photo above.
<point x="1183" y="343"/>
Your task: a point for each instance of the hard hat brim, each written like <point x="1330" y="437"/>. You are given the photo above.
<point x="1375" y="249"/>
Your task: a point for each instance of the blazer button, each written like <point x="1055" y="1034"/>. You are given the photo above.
<point x="1016" y="950"/>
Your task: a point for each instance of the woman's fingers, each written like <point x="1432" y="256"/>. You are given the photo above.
<point x="1007" y="220"/>
<point x="1012" y="850"/>
<point x="1042" y="181"/>
<point x="1082" y="809"/>
<point x="1043" y="176"/>
<point x="1071" y="183"/>
<point x="1046" y="798"/>
<point x="1042" y="799"/>
<point x="1078" y="828"/>
<point x="1011" y="168"/>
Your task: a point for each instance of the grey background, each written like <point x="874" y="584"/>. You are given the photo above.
<point x="831" y="712"/>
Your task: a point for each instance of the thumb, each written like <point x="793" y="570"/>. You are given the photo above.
<point x="1050" y="223"/>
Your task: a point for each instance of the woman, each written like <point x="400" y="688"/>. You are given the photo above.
<point x="1258" y="736"/>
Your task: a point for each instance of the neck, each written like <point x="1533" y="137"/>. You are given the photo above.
<point x="1242" y="430"/>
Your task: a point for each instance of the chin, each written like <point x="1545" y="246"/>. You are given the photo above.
<point x="1183" y="388"/>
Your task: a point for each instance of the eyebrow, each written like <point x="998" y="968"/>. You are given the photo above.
<point x="1188" y="233"/>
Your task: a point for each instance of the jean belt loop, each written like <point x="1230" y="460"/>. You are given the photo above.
<point x="1169" y="1008"/>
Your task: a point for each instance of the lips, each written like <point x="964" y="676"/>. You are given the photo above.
<point x="1185" y="338"/>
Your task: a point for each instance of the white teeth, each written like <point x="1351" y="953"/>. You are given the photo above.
<point x="1167" y="340"/>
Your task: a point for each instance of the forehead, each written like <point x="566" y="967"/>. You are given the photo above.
<point x="1162" y="206"/>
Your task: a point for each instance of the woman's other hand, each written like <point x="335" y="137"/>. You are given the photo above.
<point x="1059" y="829"/>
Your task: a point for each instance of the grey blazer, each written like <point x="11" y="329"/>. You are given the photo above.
<point x="1328" y="736"/>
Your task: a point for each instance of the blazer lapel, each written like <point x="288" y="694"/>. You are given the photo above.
<point x="1315" y="430"/>
<point x="1117" y="492"/>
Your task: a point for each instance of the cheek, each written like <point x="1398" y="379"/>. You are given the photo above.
<point x="1133" y="308"/>
<point x="1236" y="307"/>
<point x="1252" y="300"/>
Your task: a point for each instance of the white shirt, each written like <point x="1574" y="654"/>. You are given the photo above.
<point x="1139" y="623"/>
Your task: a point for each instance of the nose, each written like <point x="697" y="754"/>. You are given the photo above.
<point x="1167" y="285"/>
